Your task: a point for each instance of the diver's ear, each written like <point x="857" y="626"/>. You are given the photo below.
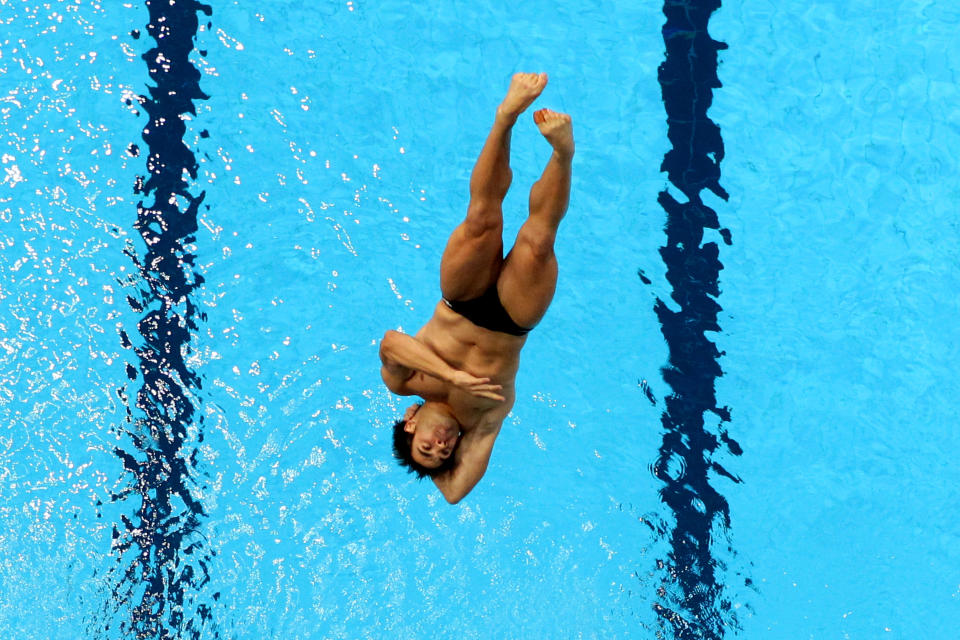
<point x="410" y="424"/>
<point x="412" y="409"/>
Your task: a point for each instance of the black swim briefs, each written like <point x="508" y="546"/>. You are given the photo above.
<point x="487" y="311"/>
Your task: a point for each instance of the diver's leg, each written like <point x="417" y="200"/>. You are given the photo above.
<point x="529" y="275"/>
<point x="474" y="252"/>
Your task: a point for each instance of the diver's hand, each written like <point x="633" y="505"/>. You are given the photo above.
<point x="480" y="387"/>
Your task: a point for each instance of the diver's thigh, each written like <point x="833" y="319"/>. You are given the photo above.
<point x="471" y="261"/>
<point x="528" y="279"/>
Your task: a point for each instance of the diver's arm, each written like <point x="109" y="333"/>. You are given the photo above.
<point x="403" y="355"/>
<point x="472" y="457"/>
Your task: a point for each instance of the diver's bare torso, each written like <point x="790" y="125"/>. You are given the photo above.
<point x="467" y="347"/>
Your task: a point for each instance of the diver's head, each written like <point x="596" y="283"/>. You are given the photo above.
<point x="425" y="438"/>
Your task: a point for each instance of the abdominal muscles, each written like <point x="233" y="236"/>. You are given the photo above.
<point x="467" y="347"/>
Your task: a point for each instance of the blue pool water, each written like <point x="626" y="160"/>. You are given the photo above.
<point x="748" y="434"/>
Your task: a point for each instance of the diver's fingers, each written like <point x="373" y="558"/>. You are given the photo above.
<point x="488" y="393"/>
<point x="486" y="387"/>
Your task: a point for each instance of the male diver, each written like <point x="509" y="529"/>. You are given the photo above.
<point x="463" y="362"/>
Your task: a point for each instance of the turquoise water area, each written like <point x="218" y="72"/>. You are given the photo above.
<point x="333" y="152"/>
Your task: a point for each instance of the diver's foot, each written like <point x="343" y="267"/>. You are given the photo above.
<point x="557" y="128"/>
<point x="524" y="89"/>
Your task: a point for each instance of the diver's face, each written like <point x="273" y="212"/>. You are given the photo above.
<point x="435" y="433"/>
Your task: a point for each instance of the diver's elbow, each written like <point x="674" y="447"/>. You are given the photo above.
<point x="387" y="345"/>
<point x="452" y="497"/>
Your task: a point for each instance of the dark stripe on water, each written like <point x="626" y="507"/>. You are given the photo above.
<point x="160" y="551"/>
<point x="692" y="602"/>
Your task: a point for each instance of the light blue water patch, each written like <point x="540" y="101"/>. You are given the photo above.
<point x="65" y="203"/>
<point x="841" y="294"/>
<point x="363" y="179"/>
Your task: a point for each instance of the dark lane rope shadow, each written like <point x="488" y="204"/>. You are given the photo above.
<point x="160" y="550"/>
<point x="692" y="602"/>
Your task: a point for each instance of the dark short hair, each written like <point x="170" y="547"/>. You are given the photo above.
<point x="403" y="452"/>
